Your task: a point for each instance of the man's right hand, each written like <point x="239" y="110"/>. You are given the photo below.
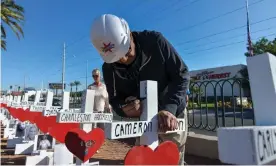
<point x="133" y="109"/>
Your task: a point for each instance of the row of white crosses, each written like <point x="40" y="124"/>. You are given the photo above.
<point x="254" y="145"/>
<point x="29" y="147"/>
<point x="15" y="101"/>
<point x="61" y="155"/>
<point x="146" y="129"/>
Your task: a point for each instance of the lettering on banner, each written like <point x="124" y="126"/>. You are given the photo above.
<point x="266" y="142"/>
<point x="132" y="128"/>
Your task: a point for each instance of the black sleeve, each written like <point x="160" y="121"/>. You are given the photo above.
<point x="178" y="74"/>
<point x="114" y="99"/>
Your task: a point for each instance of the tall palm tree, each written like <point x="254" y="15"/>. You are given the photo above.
<point x="71" y="87"/>
<point x="77" y="83"/>
<point x="12" y="15"/>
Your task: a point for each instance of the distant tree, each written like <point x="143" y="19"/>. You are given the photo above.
<point x="77" y="83"/>
<point x="71" y="87"/>
<point x="262" y="46"/>
<point x="196" y="92"/>
<point x="245" y="79"/>
<point x="12" y="15"/>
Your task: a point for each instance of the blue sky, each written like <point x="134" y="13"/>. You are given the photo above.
<point x="50" y="23"/>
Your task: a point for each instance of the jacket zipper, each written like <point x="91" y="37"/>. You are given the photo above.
<point x="138" y="82"/>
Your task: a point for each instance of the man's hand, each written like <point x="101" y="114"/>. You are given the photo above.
<point x="167" y="121"/>
<point x="132" y="109"/>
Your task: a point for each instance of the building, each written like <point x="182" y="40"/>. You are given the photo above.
<point x="219" y="78"/>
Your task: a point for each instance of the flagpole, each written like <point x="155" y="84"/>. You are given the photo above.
<point x="249" y="42"/>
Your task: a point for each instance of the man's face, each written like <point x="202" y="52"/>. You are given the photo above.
<point x="129" y="55"/>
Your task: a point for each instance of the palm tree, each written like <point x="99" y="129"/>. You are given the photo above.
<point x="18" y="88"/>
<point x="245" y="81"/>
<point x="12" y="15"/>
<point x="71" y="87"/>
<point x="77" y="83"/>
<point x="10" y="88"/>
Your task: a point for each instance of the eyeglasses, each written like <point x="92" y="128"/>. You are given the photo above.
<point x="95" y="76"/>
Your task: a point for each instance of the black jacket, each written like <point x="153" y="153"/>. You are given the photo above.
<point x="157" y="60"/>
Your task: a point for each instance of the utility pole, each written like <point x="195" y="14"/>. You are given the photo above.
<point x="249" y="43"/>
<point x="63" y="67"/>
<point x="24" y="82"/>
<point x="86" y="72"/>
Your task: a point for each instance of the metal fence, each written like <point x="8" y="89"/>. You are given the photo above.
<point x="222" y="103"/>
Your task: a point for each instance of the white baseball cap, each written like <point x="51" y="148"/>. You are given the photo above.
<point x="110" y="35"/>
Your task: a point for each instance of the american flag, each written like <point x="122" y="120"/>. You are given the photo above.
<point x="249" y="43"/>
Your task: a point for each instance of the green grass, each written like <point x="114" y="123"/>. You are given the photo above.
<point x="204" y="105"/>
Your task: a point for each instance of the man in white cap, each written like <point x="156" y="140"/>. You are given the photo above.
<point x="131" y="57"/>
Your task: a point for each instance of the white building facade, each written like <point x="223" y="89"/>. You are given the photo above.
<point x="215" y="78"/>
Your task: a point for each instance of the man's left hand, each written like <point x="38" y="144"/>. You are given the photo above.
<point x="166" y="121"/>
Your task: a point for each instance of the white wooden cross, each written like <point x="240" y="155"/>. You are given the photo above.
<point x="86" y="117"/>
<point x="9" y="100"/>
<point x="53" y="110"/>
<point x="147" y="128"/>
<point x="37" y="105"/>
<point x="254" y="145"/>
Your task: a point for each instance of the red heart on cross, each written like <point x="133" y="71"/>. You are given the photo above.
<point x="59" y="130"/>
<point x="165" y="154"/>
<point x="22" y="115"/>
<point x="44" y="123"/>
<point x="84" y="145"/>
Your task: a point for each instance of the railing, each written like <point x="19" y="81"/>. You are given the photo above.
<point x="214" y="104"/>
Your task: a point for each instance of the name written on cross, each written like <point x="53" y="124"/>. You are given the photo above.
<point x="266" y="140"/>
